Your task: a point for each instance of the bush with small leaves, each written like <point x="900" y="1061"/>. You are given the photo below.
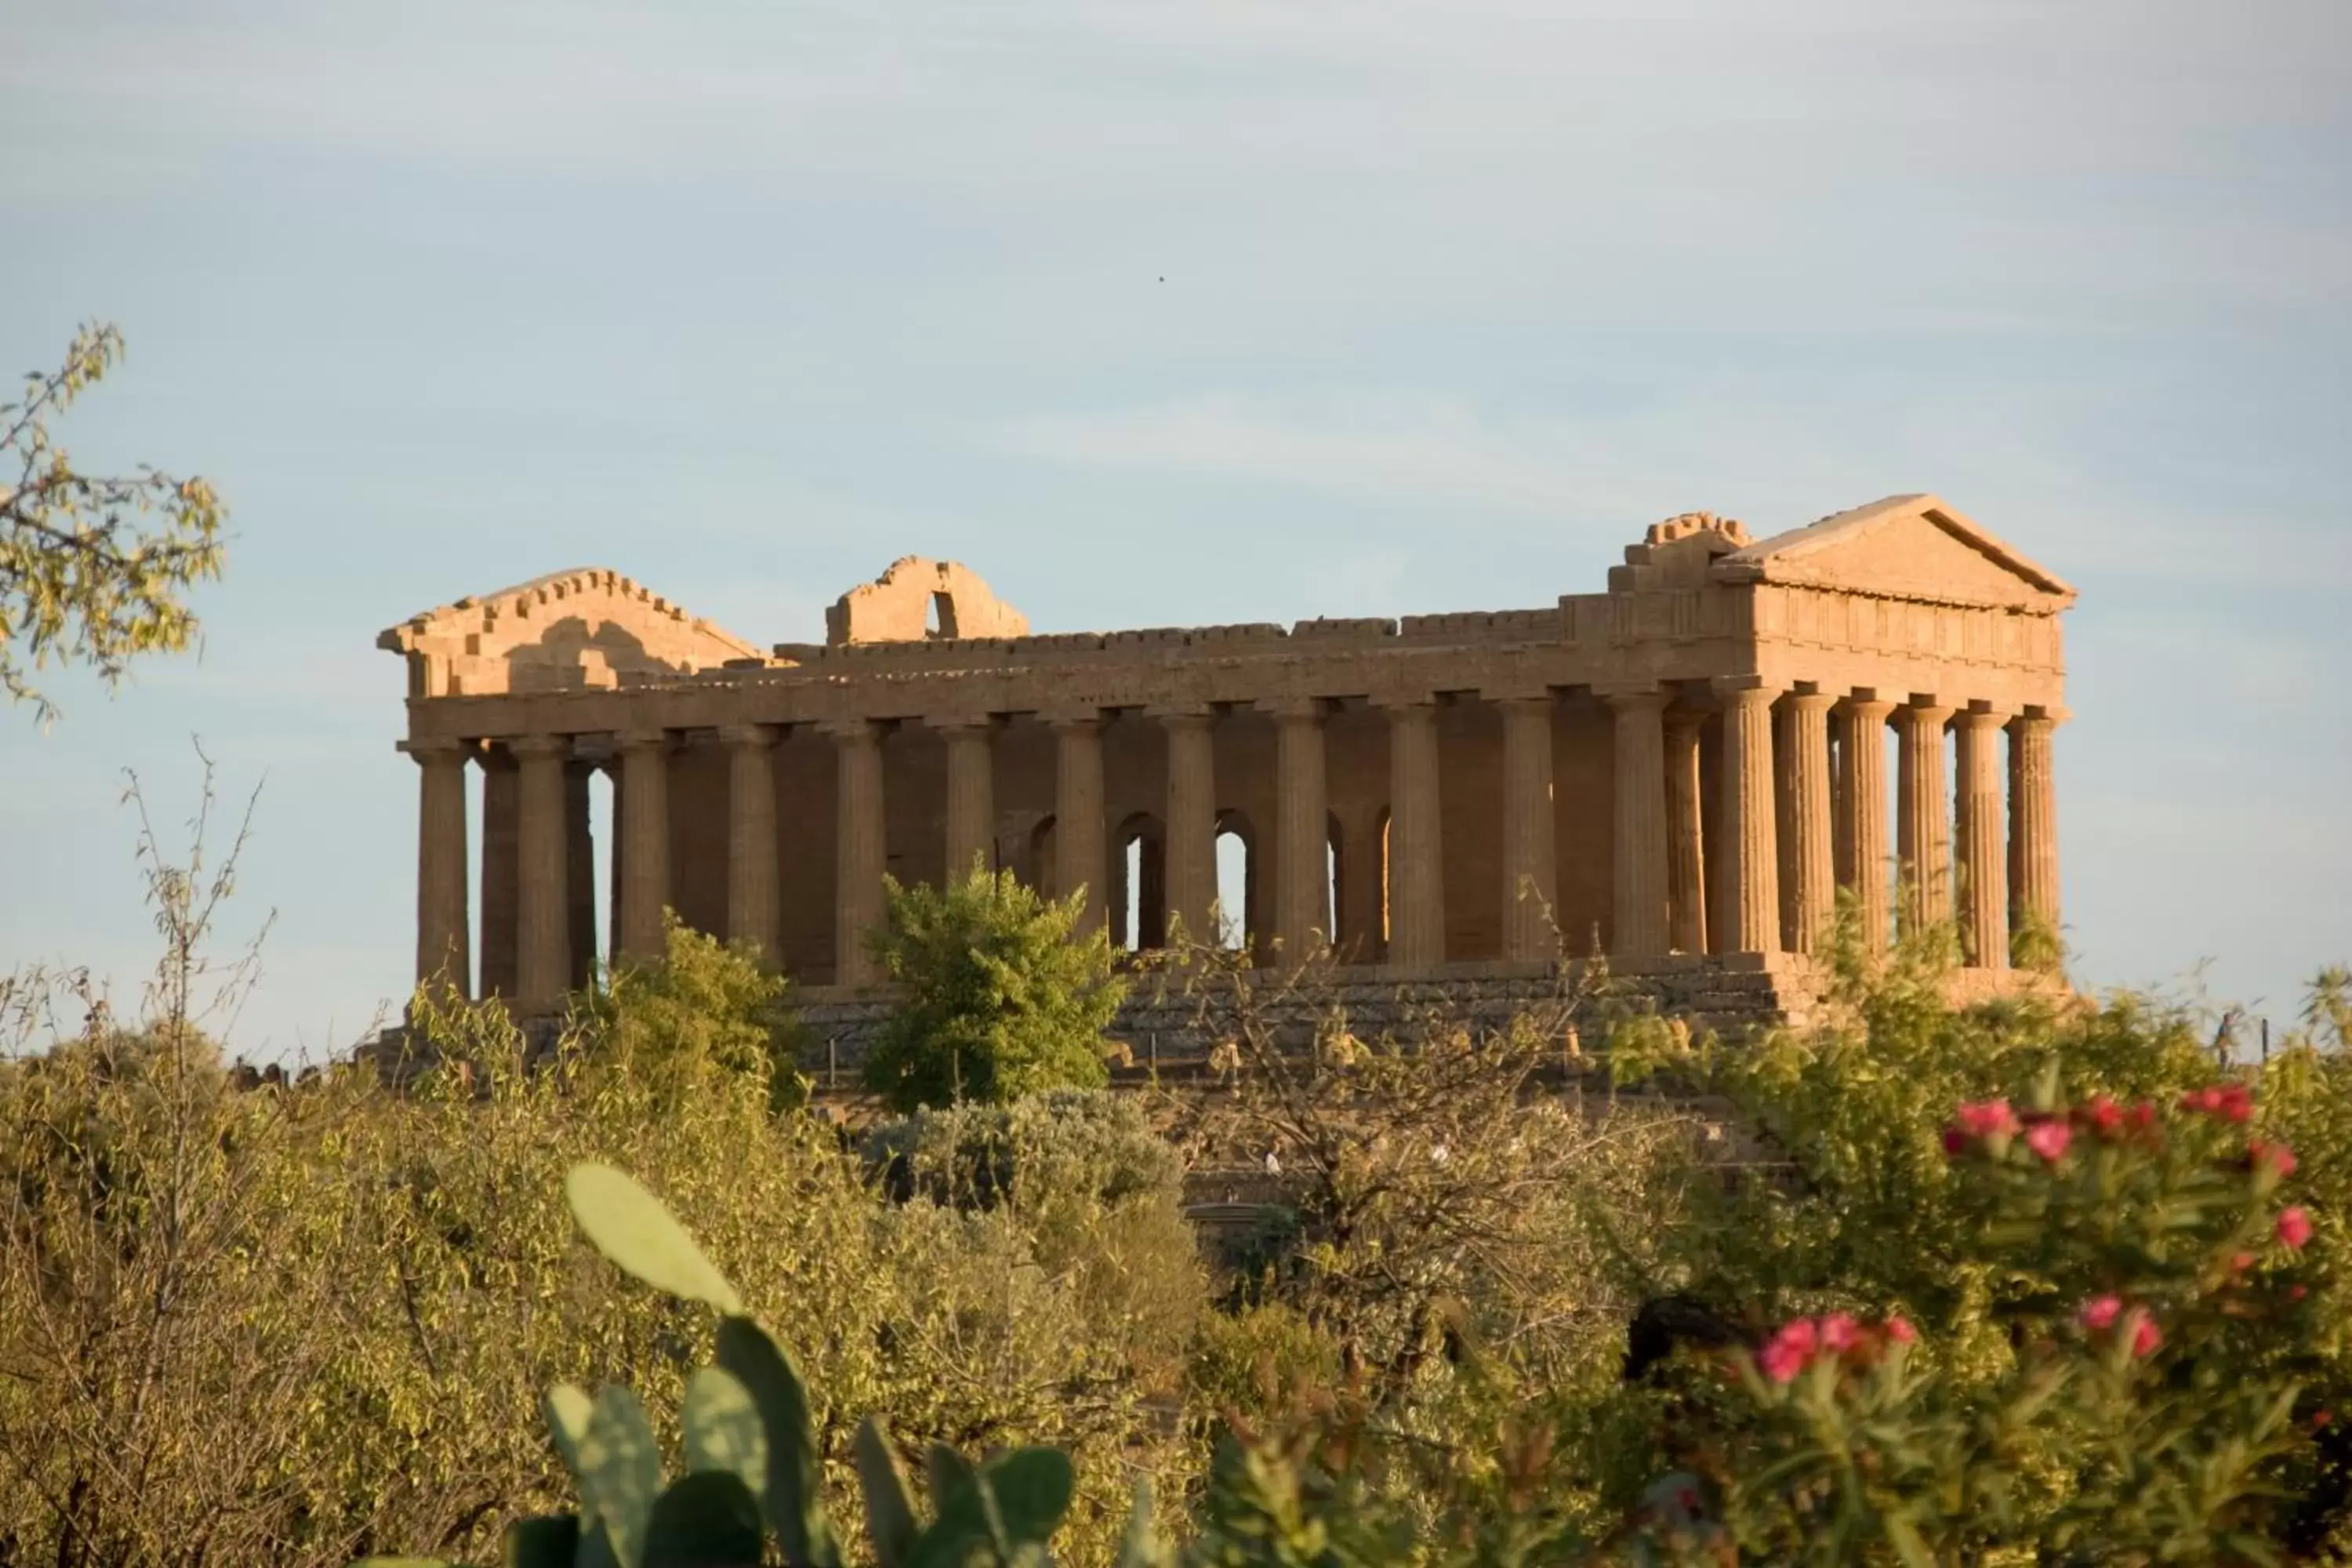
<point x="1000" y="997"/>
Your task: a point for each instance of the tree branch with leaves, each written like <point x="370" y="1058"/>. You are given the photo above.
<point x="94" y="570"/>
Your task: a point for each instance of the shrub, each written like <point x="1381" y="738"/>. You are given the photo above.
<point x="999" y="998"/>
<point x="703" y="1008"/>
<point x="1096" y="1192"/>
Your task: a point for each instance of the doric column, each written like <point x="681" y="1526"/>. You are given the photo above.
<point x="1984" y="861"/>
<point x="644" y="844"/>
<point x="1302" y="830"/>
<point x="1530" y="867"/>
<point x="1081" y="856"/>
<point x="972" y="796"/>
<point x="501" y="889"/>
<point x="1808" y="880"/>
<point x="751" y="892"/>
<point x="580" y="873"/>
<point x="1191" y="854"/>
<point x="1748" y="859"/>
<point x="1416" y="860"/>
<point x="2033" y="819"/>
<point x="543" y="912"/>
<point x="1862" y="801"/>
<point x="858" y="853"/>
<point x="1685" y="832"/>
<point x="1639" y="926"/>
<point x="443" y="942"/>
<point x="1923" y="826"/>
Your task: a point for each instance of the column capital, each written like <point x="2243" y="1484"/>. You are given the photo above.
<point x="1810" y="702"/>
<point x="655" y="740"/>
<point x="530" y="748"/>
<point x="2042" y="713"/>
<point x="1865" y="702"/>
<point x="1293" y="710"/>
<point x="1745" y="689"/>
<point x="755" y="736"/>
<point x="963" y="725"/>
<point x="1081" y="719"/>
<point x="1183" y="716"/>
<point x="1521" y="698"/>
<point x="1980" y="716"/>
<point x="1929" y="706"/>
<point x="851" y="730"/>
<point x="436" y="751"/>
<point x="1634" y="699"/>
<point x="1683" y="720"/>
<point x="1400" y="702"/>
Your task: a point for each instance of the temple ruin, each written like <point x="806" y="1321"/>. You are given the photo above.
<point x="1679" y="772"/>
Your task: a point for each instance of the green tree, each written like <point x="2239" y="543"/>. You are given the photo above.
<point x="1001" y="998"/>
<point x="703" y="1008"/>
<point x="84" y="578"/>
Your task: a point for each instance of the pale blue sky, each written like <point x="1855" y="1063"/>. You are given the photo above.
<point x="746" y="299"/>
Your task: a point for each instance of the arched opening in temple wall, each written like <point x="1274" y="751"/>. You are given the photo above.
<point x="1235" y="916"/>
<point x="1037" y="869"/>
<point x="1138" y="890"/>
<point x="603" y="870"/>
<point x="1337" y="869"/>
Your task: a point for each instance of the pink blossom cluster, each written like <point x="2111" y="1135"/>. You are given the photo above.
<point x="1801" y="1342"/>
<point x="2051" y="1135"/>
<point x="2229" y="1101"/>
<point x="2101" y="1313"/>
<point x="2278" y="1158"/>
<point x="1987" y="1120"/>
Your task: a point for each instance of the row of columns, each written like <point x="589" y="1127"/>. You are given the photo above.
<point x="1775" y="780"/>
<point x="1791" y="833"/>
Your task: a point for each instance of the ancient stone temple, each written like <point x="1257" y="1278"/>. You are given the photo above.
<point x="1679" y="772"/>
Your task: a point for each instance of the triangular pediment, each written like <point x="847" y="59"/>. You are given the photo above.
<point x="1908" y="547"/>
<point x="570" y="630"/>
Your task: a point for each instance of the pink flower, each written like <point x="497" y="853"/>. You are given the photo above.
<point x="2297" y="1292"/>
<point x="2103" y="1115"/>
<point x="1787" y="1351"/>
<point x="2100" y="1312"/>
<point x="2320" y="1418"/>
<point x="2048" y="1139"/>
<point x="2146" y="1336"/>
<point x="2294" y="1225"/>
<point x="2277" y="1157"/>
<point x="1986" y="1119"/>
<point x="1900" y="1331"/>
<point x="1839" y="1333"/>
<point x="2240" y="1263"/>
<point x="2140" y="1117"/>
<point x="2230" y="1102"/>
<point x="1782" y="1361"/>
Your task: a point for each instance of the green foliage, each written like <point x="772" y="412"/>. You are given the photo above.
<point x="363" y="1288"/>
<point x="80" y="581"/>
<point x="754" y="1466"/>
<point x="1095" y="1191"/>
<point x="1000" y="1000"/>
<point x="703" y="1008"/>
